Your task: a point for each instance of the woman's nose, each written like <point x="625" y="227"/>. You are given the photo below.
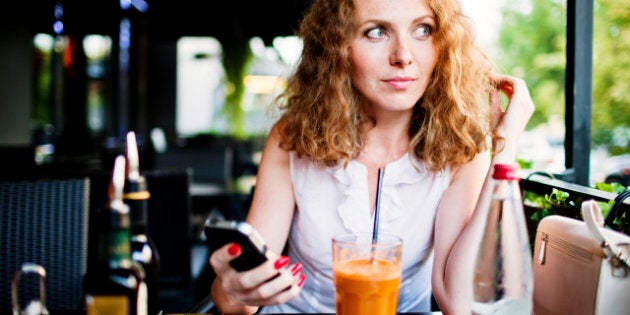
<point x="400" y="54"/>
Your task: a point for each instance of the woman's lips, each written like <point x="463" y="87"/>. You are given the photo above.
<point x="399" y="83"/>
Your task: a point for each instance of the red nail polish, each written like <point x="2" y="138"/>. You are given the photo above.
<point x="301" y="281"/>
<point x="234" y="249"/>
<point x="297" y="268"/>
<point x="281" y="262"/>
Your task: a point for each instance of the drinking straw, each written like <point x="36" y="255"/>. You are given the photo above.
<point x="379" y="185"/>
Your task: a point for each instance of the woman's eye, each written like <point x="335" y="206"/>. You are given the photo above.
<point x="423" y="31"/>
<point x="375" y="33"/>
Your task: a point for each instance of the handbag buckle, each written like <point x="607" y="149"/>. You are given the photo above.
<point x="621" y="261"/>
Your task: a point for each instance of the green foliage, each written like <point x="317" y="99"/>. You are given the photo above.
<point x="536" y="54"/>
<point x="557" y="202"/>
<point x="532" y="45"/>
<point x="524" y="164"/>
<point x="616" y="188"/>
<point x="236" y="59"/>
<point x="561" y="203"/>
<point x="538" y="206"/>
<point x="611" y="87"/>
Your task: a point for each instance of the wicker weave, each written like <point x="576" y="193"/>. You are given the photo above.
<point x="44" y="222"/>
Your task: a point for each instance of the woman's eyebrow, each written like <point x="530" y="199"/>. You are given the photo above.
<point x="380" y="21"/>
<point x="426" y="17"/>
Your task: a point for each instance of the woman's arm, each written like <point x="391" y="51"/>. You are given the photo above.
<point x="453" y="246"/>
<point x="271" y="214"/>
<point x="272" y="208"/>
<point x="462" y="211"/>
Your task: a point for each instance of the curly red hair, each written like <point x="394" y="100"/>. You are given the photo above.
<point x="321" y="116"/>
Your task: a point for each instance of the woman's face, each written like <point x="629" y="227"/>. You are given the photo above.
<point x="392" y="52"/>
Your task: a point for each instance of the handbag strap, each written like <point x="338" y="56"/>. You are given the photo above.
<point x="616" y="212"/>
<point x="592" y="215"/>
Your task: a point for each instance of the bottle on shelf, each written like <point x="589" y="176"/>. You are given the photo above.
<point x="116" y="285"/>
<point x="503" y="280"/>
<point x="143" y="249"/>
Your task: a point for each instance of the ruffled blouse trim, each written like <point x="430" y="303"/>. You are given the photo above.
<point x="354" y="209"/>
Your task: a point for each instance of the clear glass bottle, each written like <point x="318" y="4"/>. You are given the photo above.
<point x="143" y="249"/>
<point x="115" y="286"/>
<point x="503" y="280"/>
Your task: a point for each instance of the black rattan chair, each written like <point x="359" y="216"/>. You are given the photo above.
<point x="44" y="222"/>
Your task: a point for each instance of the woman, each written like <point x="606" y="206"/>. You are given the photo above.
<point x="392" y="84"/>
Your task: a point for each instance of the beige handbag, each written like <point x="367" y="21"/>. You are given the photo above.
<point x="580" y="267"/>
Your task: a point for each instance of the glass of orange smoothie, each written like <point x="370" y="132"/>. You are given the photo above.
<point x="366" y="275"/>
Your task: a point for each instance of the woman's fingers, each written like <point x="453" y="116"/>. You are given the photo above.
<point x="505" y="84"/>
<point x="516" y="90"/>
<point x="510" y="123"/>
<point x="272" y="282"/>
<point x="496" y="109"/>
<point x="279" y="289"/>
<point x="220" y="259"/>
<point x="520" y="106"/>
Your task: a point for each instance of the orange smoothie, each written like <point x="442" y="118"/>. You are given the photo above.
<point x="364" y="287"/>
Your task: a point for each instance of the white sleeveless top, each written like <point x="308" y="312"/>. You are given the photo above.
<point x="335" y="200"/>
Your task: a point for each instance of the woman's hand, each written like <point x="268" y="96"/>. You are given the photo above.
<point x="510" y="123"/>
<point x="273" y="282"/>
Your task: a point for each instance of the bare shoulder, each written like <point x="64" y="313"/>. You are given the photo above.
<point x="273" y="153"/>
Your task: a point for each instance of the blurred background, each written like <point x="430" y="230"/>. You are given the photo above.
<point x="528" y="39"/>
<point x="79" y="74"/>
<point x="195" y="80"/>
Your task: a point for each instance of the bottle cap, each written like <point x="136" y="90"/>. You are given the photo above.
<point x="504" y="171"/>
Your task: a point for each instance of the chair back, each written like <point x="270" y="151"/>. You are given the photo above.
<point x="44" y="222"/>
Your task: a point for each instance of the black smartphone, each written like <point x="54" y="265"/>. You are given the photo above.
<point x="253" y="248"/>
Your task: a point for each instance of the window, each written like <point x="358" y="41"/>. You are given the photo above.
<point x="203" y="86"/>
